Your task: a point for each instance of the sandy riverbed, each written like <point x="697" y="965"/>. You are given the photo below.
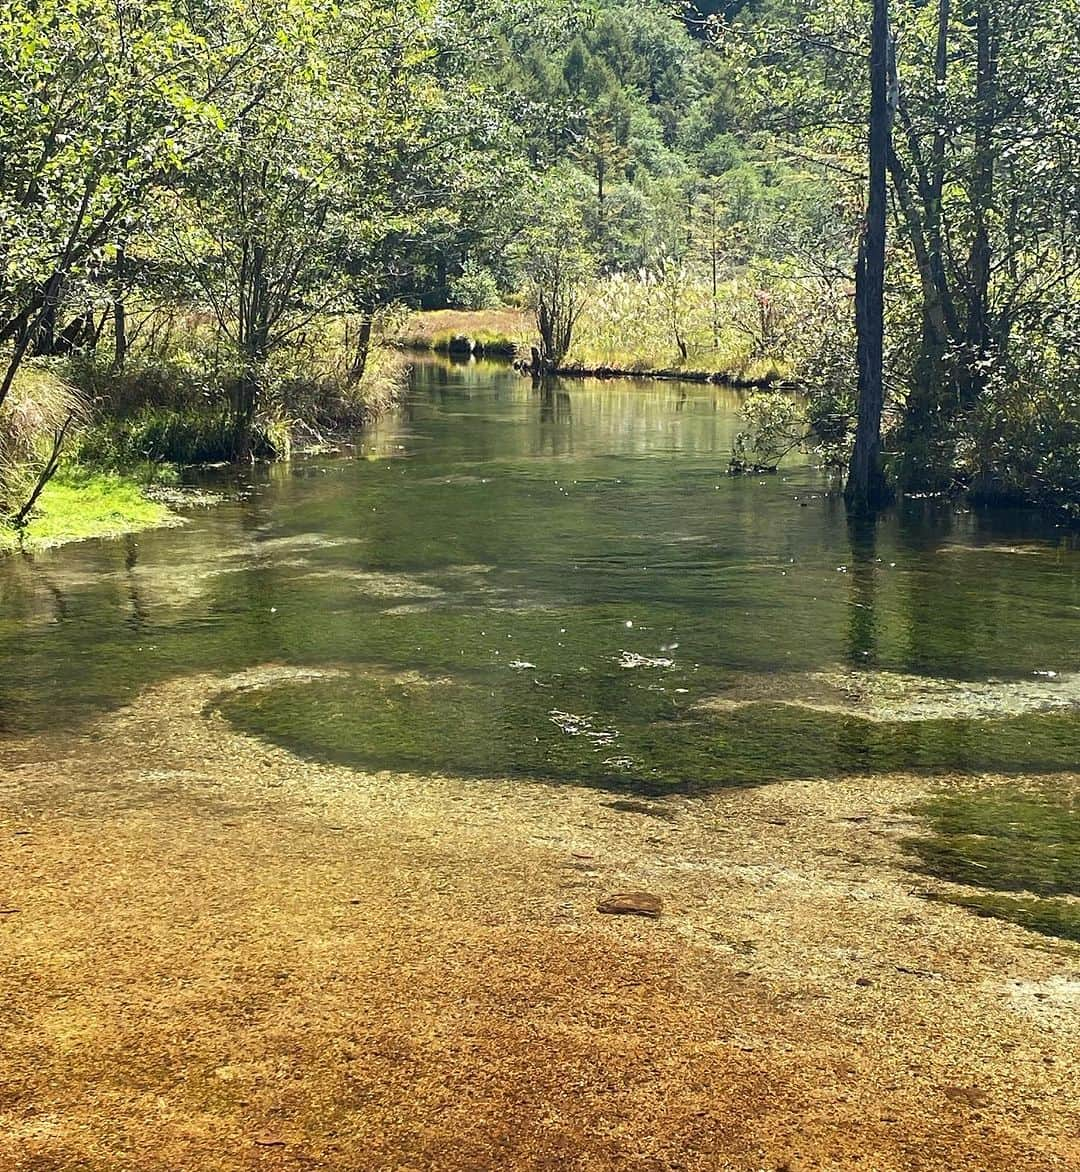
<point x="216" y="956"/>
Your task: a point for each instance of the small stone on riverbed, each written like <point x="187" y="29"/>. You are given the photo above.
<point x="268" y="1140"/>
<point x="628" y="806"/>
<point x="632" y="903"/>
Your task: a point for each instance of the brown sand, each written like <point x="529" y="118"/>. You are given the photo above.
<point x="215" y="956"/>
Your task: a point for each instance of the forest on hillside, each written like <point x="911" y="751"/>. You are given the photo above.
<point x="216" y="217"/>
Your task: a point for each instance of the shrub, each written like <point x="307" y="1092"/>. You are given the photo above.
<point x="475" y="288"/>
<point x="775" y="426"/>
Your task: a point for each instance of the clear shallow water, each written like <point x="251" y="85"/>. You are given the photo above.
<point x="591" y="533"/>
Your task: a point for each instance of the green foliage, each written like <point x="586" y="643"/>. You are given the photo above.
<point x="174" y="434"/>
<point x="479" y="342"/>
<point x="776" y="427"/>
<point x="263" y="163"/>
<point x="658" y="198"/>
<point x="556" y="262"/>
<point x="1022" y="440"/>
<point x="98" y="103"/>
<point x="103" y="107"/>
<point x="475" y="287"/>
<point x="983" y="265"/>
<point x="190" y="377"/>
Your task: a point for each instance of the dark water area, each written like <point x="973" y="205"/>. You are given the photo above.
<point x="509" y="581"/>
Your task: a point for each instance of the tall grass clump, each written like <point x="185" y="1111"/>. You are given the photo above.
<point x="669" y="318"/>
<point x="37" y="420"/>
<point x="176" y="398"/>
<point x="322" y="391"/>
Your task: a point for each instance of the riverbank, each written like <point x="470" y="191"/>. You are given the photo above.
<point x="119" y="473"/>
<point x="667" y="374"/>
<point x="81" y="504"/>
<point x="498" y="333"/>
<point x="218" y="956"/>
<point x="511" y="333"/>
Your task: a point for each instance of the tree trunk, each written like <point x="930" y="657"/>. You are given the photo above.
<point x="937" y="311"/>
<point x="18" y="353"/>
<point x="713" y="264"/>
<point x="23" y="329"/>
<point x="866" y="489"/>
<point x="47" y="473"/>
<point x="977" y="349"/>
<point x="932" y="400"/>
<point x="43" y="333"/>
<point x="363" y="349"/>
<point x="254" y="338"/>
<point x="119" y="311"/>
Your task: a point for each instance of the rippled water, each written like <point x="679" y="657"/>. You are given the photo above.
<point x="566" y="585"/>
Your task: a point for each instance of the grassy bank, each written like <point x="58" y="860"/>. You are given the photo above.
<point x="174" y="402"/>
<point x="493" y="332"/>
<point x="751" y="376"/>
<point x="84" y="497"/>
<point x="80" y="503"/>
<point x="609" y="341"/>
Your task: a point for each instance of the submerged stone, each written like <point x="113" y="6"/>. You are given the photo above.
<point x="632" y="903"/>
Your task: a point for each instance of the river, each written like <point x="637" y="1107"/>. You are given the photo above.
<point x="567" y="585"/>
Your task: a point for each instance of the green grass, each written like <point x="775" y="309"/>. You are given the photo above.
<point x="627" y="345"/>
<point x="1006" y="840"/>
<point x="203" y="435"/>
<point x="593" y="351"/>
<point x="78" y="505"/>
<point x="481" y="342"/>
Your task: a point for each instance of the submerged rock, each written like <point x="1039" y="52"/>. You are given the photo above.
<point x="632" y="903"/>
<point x="629" y="806"/>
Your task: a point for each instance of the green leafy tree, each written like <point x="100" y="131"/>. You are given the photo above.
<point x="100" y="104"/>
<point x="557" y="265"/>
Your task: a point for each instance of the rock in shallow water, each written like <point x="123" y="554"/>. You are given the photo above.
<point x="632" y="903"/>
